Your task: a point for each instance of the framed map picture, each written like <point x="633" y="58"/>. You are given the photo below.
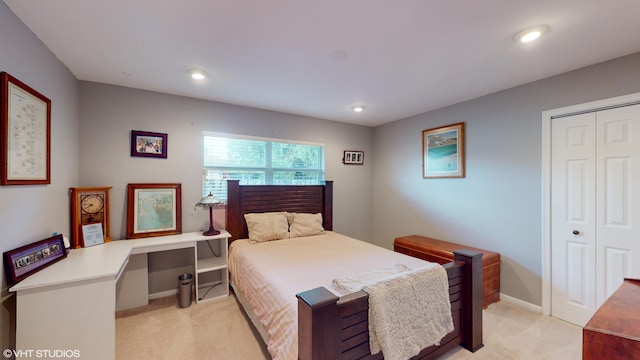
<point x="443" y="152"/>
<point x="25" y="129"/>
<point x="153" y="210"/>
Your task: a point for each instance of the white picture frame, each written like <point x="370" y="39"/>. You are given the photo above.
<point x="92" y="234"/>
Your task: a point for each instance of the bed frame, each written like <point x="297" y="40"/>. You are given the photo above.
<point x="331" y="327"/>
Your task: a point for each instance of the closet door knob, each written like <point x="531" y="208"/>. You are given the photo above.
<point x="576" y="232"/>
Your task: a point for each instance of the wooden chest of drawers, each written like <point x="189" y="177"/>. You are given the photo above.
<point x="614" y="330"/>
<point x="442" y="252"/>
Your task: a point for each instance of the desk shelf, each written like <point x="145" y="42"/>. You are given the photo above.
<point x="212" y="290"/>
<point x="211" y="264"/>
<point x="212" y="276"/>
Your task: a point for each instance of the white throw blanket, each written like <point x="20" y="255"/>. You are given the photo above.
<point x="408" y="310"/>
<point x="350" y="284"/>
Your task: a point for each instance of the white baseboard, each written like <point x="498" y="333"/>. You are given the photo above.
<point x="521" y="303"/>
<point x="174" y="292"/>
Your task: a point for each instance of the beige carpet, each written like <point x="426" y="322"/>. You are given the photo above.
<point x="211" y="330"/>
<point x="512" y="332"/>
<point x="220" y="330"/>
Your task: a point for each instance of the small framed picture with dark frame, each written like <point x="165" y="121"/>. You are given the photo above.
<point x="29" y="259"/>
<point x="148" y="144"/>
<point x="352" y="157"/>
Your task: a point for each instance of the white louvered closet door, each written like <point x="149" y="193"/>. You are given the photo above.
<point x="595" y="209"/>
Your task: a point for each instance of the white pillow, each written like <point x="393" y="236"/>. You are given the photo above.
<point x="306" y="225"/>
<point x="267" y="226"/>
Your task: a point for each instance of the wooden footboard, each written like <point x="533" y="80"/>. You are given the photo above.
<point x="337" y="328"/>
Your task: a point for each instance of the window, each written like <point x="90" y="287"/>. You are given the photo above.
<point x="259" y="161"/>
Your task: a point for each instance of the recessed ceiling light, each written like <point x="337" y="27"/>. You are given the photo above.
<point x="531" y="33"/>
<point x="358" y="108"/>
<point x="197" y="74"/>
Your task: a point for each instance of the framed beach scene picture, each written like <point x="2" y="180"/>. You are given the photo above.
<point x="443" y="152"/>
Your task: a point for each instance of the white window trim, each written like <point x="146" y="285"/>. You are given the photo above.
<point x="260" y="138"/>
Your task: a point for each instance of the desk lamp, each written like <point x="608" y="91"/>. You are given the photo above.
<point x="210" y="201"/>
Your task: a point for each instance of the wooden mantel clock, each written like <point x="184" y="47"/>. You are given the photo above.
<point x="89" y="205"/>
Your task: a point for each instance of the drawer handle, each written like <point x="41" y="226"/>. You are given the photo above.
<point x="576" y="232"/>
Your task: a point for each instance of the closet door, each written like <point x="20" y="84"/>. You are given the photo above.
<point x="618" y="199"/>
<point x="595" y="234"/>
<point x="573" y="218"/>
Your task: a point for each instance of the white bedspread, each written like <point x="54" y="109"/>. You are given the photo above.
<point x="269" y="274"/>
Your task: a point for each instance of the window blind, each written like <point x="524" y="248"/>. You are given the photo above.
<point x="259" y="161"/>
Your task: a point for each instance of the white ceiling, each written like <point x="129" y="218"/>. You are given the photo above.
<point x="403" y="57"/>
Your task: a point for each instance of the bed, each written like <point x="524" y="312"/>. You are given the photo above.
<point x="336" y="327"/>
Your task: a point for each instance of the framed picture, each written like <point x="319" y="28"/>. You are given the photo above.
<point x="153" y="210"/>
<point x="25" y="144"/>
<point x="443" y="152"/>
<point x="352" y="157"/>
<point x="29" y="259"/>
<point x="92" y="234"/>
<point x="148" y="144"/>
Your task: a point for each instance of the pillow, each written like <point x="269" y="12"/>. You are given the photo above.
<point x="289" y="217"/>
<point x="267" y="226"/>
<point x="306" y="225"/>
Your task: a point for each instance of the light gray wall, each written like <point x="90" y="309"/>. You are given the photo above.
<point x="497" y="206"/>
<point x="31" y="213"/>
<point x="109" y="113"/>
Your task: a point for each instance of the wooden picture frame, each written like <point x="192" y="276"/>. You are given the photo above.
<point x="149" y="144"/>
<point x="29" y="259"/>
<point x="353" y="157"/>
<point x="153" y="210"/>
<point x="443" y="154"/>
<point x="25" y="144"/>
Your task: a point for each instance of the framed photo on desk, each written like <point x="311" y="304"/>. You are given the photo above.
<point x="92" y="234"/>
<point x="29" y="259"/>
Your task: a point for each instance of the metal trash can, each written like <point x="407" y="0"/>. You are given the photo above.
<point x="185" y="282"/>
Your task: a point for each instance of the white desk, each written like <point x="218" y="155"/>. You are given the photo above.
<point x="71" y="304"/>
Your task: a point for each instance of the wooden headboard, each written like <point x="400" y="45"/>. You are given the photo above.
<point x="243" y="199"/>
